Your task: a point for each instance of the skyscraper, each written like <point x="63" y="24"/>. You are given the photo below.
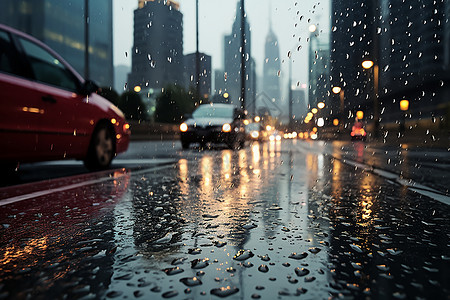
<point x="60" y="24"/>
<point x="157" y="55"/>
<point x="415" y="57"/>
<point x="351" y="41"/>
<point x="232" y="61"/>
<point x="409" y="44"/>
<point x="319" y="69"/>
<point x="271" y="67"/>
<point x="205" y="73"/>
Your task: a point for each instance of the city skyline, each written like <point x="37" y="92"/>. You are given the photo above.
<point x="213" y="28"/>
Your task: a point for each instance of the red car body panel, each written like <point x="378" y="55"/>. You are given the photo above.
<point x="41" y="122"/>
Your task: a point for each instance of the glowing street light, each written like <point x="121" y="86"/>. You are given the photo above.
<point x="367" y="64"/>
<point x="137" y="89"/>
<point x="320" y="105"/>
<point x="404" y="105"/>
<point x="314" y="110"/>
<point x="336" y="89"/>
<point x="360" y="114"/>
<point x="335" y="122"/>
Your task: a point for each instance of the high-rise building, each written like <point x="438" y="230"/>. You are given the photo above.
<point x="414" y="57"/>
<point x="409" y="45"/>
<point x="204" y="76"/>
<point x="299" y="107"/>
<point x="351" y="41"/>
<point x="157" y="55"/>
<point x="232" y="62"/>
<point x="319" y="69"/>
<point x="272" y="66"/>
<point x="60" y="24"/>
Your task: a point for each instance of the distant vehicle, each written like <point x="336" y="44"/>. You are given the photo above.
<point x="214" y="123"/>
<point x="358" y="132"/>
<point x="49" y="112"/>
<point x="255" y="132"/>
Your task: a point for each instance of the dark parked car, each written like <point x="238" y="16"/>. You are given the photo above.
<point x="214" y="123"/>
<point x="49" y="112"/>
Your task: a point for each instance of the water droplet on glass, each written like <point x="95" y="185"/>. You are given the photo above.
<point x="224" y="291"/>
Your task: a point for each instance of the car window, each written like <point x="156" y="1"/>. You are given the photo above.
<point x="47" y="68"/>
<point x="208" y="111"/>
<point x="7" y="61"/>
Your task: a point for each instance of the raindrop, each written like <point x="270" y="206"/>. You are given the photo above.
<point x="263" y="268"/>
<point x="178" y="261"/>
<point x="209" y="216"/>
<point x="219" y="244"/>
<point x="170" y="294"/>
<point x="264" y="257"/>
<point x="310" y="279"/>
<point x="247" y="264"/>
<point x="224" y="291"/>
<point x="243" y="255"/>
<point x="314" y="250"/>
<point x="191" y="281"/>
<point x="298" y="256"/>
<point x="173" y="271"/>
<point x="199" y="263"/>
<point x="356" y="248"/>
<point x="301" y="271"/>
<point x="300" y="291"/>
<point x="195" y="251"/>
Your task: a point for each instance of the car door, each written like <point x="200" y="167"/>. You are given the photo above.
<point x="20" y="112"/>
<point x="63" y="131"/>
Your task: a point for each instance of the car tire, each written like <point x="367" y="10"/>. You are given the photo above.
<point x="101" y="149"/>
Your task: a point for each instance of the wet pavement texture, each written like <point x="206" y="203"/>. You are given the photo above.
<point x="272" y="221"/>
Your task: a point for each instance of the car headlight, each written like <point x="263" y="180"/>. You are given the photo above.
<point x="255" y="134"/>
<point x="226" y="127"/>
<point x="183" y="127"/>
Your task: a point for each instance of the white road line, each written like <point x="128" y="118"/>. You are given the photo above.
<point x="15" y="199"/>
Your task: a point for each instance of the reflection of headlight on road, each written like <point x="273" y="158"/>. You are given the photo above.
<point x="226" y="127"/>
<point x="183" y="127"/>
<point x="254" y="134"/>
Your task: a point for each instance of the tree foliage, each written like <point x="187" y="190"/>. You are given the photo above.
<point x="172" y="104"/>
<point x="132" y="106"/>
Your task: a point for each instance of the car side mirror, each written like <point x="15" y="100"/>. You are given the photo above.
<point x="88" y="87"/>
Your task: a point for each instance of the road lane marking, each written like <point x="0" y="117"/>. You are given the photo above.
<point x="409" y="183"/>
<point x="37" y="194"/>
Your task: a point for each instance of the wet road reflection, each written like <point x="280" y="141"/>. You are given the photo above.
<point x="271" y="221"/>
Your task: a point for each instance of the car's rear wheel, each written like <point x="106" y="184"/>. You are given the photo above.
<point x="101" y="149"/>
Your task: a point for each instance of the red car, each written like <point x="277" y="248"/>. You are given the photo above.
<point x="49" y="112"/>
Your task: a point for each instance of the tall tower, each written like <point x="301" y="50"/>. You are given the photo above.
<point x="271" y="80"/>
<point x="157" y="55"/>
<point x="232" y="61"/>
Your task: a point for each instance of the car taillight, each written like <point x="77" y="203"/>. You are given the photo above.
<point x="126" y="127"/>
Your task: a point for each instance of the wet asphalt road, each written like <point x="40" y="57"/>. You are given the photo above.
<point x="273" y="221"/>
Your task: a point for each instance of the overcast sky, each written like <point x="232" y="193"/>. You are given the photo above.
<point x="290" y="19"/>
